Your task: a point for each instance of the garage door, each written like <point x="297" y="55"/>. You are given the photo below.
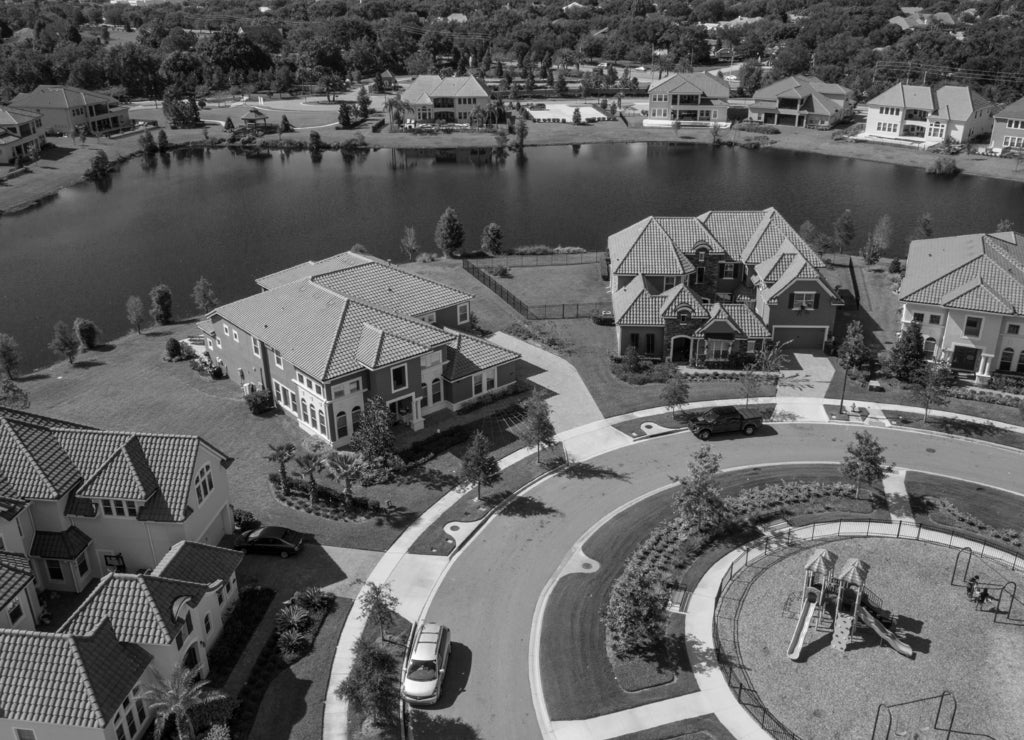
<point x="802" y="337"/>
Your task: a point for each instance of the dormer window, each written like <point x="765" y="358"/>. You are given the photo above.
<point x="702" y="255"/>
<point x="203" y="482"/>
<point x="683" y="314"/>
<point x="117" y="507"/>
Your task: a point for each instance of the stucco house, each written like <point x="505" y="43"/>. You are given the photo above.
<point x="77" y="502"/>
<point x="803" y="101"/>
<point x="690" y="98"/>
<point x="452" y="99"/>
<point x="64" y="108"/>
<point x="21" y="134"/>
<point x="1008" y="127"/>
<point x="716" y="287"/>
<point x="325" y="336"/>
<point x="967" y="294"/>
<point x="924" y="115"/>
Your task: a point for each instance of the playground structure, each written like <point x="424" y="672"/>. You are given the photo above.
<point x="852" y="603"/>
<point x="1004" y="592"/>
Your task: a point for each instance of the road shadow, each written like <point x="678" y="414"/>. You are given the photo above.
<point x="86" y="364"/>
<point x="456" y="677"/>
<point x="30" y="378"/>
<point x="527" y="506"/>
<point x="585" y="470"/>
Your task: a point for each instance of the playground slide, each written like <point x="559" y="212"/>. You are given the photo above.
<point x="894" y="642"/>
<point x="800" y="634"/>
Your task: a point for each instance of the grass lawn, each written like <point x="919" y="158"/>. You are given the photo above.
<point x="580" y="681"/>
<point x="396" y="637"/>
<point x="971" y="429"/>
<point x="551" y="284"/>
<point x="492" y="313"/>
<point x="705" y="727"/>
<point x="996" y="508"/>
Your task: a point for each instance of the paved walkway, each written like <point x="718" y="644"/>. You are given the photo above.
<point x="895" y="487"/>
<point x="800" y="391"/>
<point x="414" y="578"/>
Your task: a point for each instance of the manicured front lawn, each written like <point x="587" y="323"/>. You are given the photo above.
<point x="996" y="508"/>
<point x="551" y="284"/>
<point x="970" y="429"/>
<point x="705" y="727"/>
<point x="395" y="638"/>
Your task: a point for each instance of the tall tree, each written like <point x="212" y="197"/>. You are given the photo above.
<point x="577" y="117"/>
<point x="203" y="295"/>
<point x="932" y="384"/>
<point x="635" y="615"/>
<point x="86" y="332"/>
<point x="479" y="468"/>
<point x="851" y="354"/>
<point x="371" y="687"/>
<point x="879" y="240"/>
<point x="923" y="228"/>
<point x="521" y="131"/>
<point x="377" y="604"/>
<point x="343" y="466"/>
<point x="906" y="358"/>
<point x="844" y="231"/>
<point x="363" y="101"/>
<point x="309" y="464"/>
<point x="10" y="355"/>
<point x="865" y="461"/>
<point x="178" y="696"/>
<point x="410" y="246"/>
<point x="64" y="342"/>
<point x="160" y="301"/>
<point x="449" y="234"/>
<point x="374" y="439"/>
<point x="698" y="501"/>
<point x="491" y="238"/>
<point x="280" y="455"/>
<point x="13" y="395"/>
<point x="136" y="312"/>
<point x="676" y="394"/>
<point x="537" y="429"/>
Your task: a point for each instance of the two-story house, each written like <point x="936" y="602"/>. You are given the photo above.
<point x="690" y="98"/>
<point x="77" y="502"/>
<point x="1008" y="127"/>
<point x="21" y="134"/>
<point x="64" y="109"/>
<point x="452" y="99"/>
<point x="925" y="115"/>
<point x="967" y="294"/>
<point x="715" y="287"/>
<point x="335" y="335"/>
<point x="803" y="101"/>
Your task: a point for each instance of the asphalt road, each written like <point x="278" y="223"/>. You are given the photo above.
<point x="489" y="593"/>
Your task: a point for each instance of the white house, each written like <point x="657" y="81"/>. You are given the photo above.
<point x="918" y="114"/>
<point x="967" y="294"/>
<point x="452" y="99"/>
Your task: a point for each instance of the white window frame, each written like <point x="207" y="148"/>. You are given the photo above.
<point x="202" y="483"/>
<point x="671" y="281"/>
<point x="234" y="334"/>
<point x="751" y="346"/>
<point x="430" y="318"/>
<point x="1013" y="329"/>
<point x="463" y="313"/>
<point x="80" y="561"/>
<point x="278" y="362"/>
<point x="227" y="331"/>
<point x="405" y="378"/>
<point x="981" y="324"/>
<point x="256" y="347"/>
<point x="802" y="302"/>
<point x="713" y="349"/>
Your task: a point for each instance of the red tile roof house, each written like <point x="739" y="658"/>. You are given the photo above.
<point x="967" y="294"/>
<point x="64" y="108"/>
<point x="917" y="114"/>
<point x="1008" y="127"/>
<point x="715" y="287"/>
<point x="695" y="98"/>
<point x="803" y="101"/>
<point x="77" y="502"/>
<point x="325" y="336"/>
<point x="87" y="680"/>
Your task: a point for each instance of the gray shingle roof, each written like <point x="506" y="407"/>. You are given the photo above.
<point x="11" y="116"/>
<point x="62" y="97"/>
<point x="63" y="679"/>
<point x="1014" y="110"/>
<point x="198" y="562"/>
<point x="709" y="85"/>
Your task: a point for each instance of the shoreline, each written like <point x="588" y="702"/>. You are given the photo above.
<point x="68" y="161"/>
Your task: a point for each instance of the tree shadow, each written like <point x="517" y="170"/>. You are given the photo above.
<point x="436" y="480"/>
<point x="527" y="506"/>
<point x="86" y="364"/>
<point x="104" y="348"/>
<point x="583" y="470"/>
<point x="30" y="378"/>
<point x="700" y="658"/>
<point x="423" y="726"/>
<point x="399" y="517"/>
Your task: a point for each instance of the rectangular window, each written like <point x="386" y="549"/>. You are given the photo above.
<point x="54" y="571"/>
<point x="132" y="727"/>
<point x="672" y="281"/>
<point x="226" y="330"/>
<point x="478" y="384"/>
<point x="491" y="377"/>
<point x="399" y="379"/>
<point x="700" y="274"/>
<point x="805" y="300"/>
<point x="634" y="341"/>
<point x="188" y="623"/>
<point x="321" y="423"/>
<point x="131" y="508"/>
<point x="83" y="564"/>
<point x="649" y="344"/>
<point x="293" y="402"/>
<point x="277" y="392"/>
<point x="718" y="349"/>
<point x="727" y="270"/>
<point x="119" y="507"/>
<point x="179" y="640"/>
<point x="1013" y="329"/>
<point x="234" y="335"/>
<point x="463" y="313"/>
<point x="120" y="732"/>
<point x="751" y="346"/>
<point x="435" y="391"/>
<point x="934" y="318"/>
<point x="972" y="328"/>
<point x="305" y="410"/>
<point x="256" y="346"/>
<point x="24" y="735"/>
<point x="918" y="318"/>
<point x="277" y="359"/>
<point x="206" y="624"/>
<point x="14" y="611"/>
<point x="108" y="508"/>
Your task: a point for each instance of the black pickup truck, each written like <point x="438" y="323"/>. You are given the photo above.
<point x="726" y="419"/>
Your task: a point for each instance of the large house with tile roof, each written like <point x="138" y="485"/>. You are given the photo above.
<point x="326" y="336"/>
<point x="21" y="134"/>
<point x="1008" y="127"/>
<point x="803" y="101"/>
<point x="690" y="98"/>
<point x="967" y="294"/>
<point x="928" y="115"/>
<point x="715" y="287"/>
<point x="77" y="502"/>
<point x="453" y="99"/>
<point x="65" y="109"/>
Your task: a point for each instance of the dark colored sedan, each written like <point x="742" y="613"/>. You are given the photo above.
<point x="273" y="540"/>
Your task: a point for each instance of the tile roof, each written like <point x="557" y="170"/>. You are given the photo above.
<point x="198" y="562"/>
<point x="1013" y="110"/>
<point x="978" y="272"/>
<point x="424" y="88"/>
<point x="125" y="474"/>
<point x="682" y="297"/>
<point x="61" y="96"/>
<point x="34" y="464"/>
<point x="739" y="315"/>
<point x="65" y="545"/>
<point x="802" y="86"/>
<point x="62" y="679"/>
<point x="391" y="289"/>
<point x="733" y="229"/>
<point x="636" y="304"/>
<point x="473" y="354"/>
<point x="141" y="608"/>
<point x="709" y="85"/>
<point x="657" y="246"/>
<point x="15" y="574"/>
<point x="11" y="116"/>
<point x="309" y="269"/>
<point x="791" y="267"/>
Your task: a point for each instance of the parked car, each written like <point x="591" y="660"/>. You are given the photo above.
<point x="426" y="663"/>
<point x="726" y="419"/>
<point x="272" y="540"/>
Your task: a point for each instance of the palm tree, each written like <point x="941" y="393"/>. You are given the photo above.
<point x="281" y="454"/>
<point x="396" y="107"/>
<point x="178" y="697"/>
<point x="309" y="464"/>
<point x="345" y="467"/>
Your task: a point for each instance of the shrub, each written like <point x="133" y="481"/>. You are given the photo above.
<point x="756" y="128"/>
<point x="944" y="166"/>
<point x="293" y="617"/>
<point x="313" y="598"/>
<point x="87" y="333"/>
<point x="501" y="271"/>
<point x="260" y="401"/>
<point x="245" y="520"/>
<point x="603" y="319"/>
<point x="218" y="732"/>
<point x="172" y="349"/>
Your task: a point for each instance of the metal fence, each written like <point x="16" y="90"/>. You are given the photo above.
<point x="539" y="260"/>
<point x="552" y="311"/>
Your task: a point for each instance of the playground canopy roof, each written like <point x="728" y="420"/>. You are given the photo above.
<point x="853" y="571"/>
<point x="821" y="561"/>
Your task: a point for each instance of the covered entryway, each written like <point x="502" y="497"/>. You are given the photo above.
<point x="801" y="337"/>
<point x="681" y="349"/>
<point x="965" y="359"/>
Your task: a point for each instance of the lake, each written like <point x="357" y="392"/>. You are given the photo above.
<point x="233" y="219"/>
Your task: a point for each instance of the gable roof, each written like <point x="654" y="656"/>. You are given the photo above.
<point x="958" y="103"/>
<point x="198" y="562"/>
<point x="787" y="267"/>
<point x="35" y="466"/>
<point x="704" y="83"/>
<point x="65" y="679"/>
<point x="425" y="88"/>
<point x="15" y="574"/>
<point x="637" y="304"/>
<point x="802" y="86"/>
<point x="978" y="272"/>
<point x="741" y="316"/>
<point x="1013" y="110"/>
<point x="65" y="545"/>
<point x="140" y="607"/>
<point x="900" y="95"/>
<point x="61" y="96"/>
<point x="391" y="289"/>
<point x="11" y="116"/>
<point x="311" y="268"/>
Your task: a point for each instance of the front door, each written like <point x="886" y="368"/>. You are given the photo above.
<point x="965" y="359"/>
<point x="680" y="349"/>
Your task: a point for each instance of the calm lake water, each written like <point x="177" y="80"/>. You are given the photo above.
<point x="233" y="219"/>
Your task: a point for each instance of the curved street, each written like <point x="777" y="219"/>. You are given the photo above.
<point x="490" y="591"/>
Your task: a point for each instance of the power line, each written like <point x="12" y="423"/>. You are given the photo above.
<point x="964" y="74"/>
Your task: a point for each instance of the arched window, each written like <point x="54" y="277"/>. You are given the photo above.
<point x="435" y="390"/>
<point x="929" y="347"/>
<point x="341" y="422"/>
<point x="305" y="410"/>
<point x="1020" y="362"/>
<point x="1006" y="360"/>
